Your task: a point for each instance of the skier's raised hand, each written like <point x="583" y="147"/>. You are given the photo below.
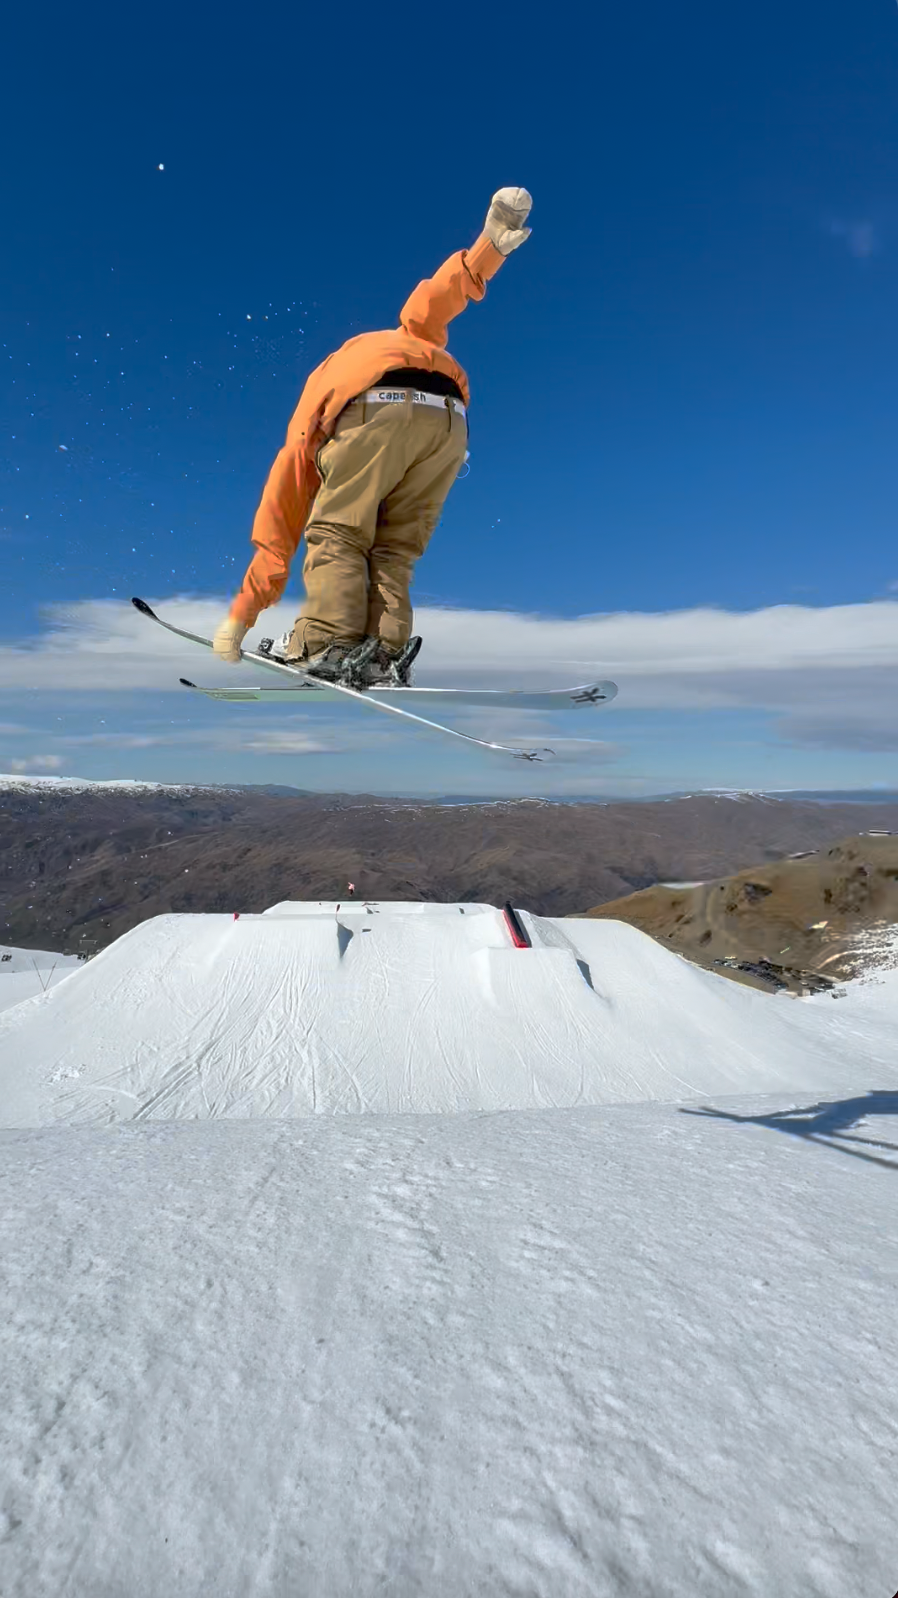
<point x="228" y="637"/>
<point x="505" y="219"/>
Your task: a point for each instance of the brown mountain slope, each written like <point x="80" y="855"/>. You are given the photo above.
<point x="809" y="916"/>
<point x="80" y="868"/>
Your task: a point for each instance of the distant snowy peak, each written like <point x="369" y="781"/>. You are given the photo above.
<point x="738" y="795"/>
<point x="13" y="782"/>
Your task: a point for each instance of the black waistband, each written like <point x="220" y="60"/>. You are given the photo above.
<point x="416" y="377"/>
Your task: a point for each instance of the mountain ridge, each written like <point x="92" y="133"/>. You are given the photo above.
<point x="82" y="867"/>
<point x="825" y="914"/>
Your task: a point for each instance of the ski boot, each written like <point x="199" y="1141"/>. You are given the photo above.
<point x="328" y="664"/>
<point x="325" y="664"/>
<point x="373" y="664"/>
<point x="275" y="648"/>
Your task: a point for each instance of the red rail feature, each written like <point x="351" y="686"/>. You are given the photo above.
<point x="515" y="929"/>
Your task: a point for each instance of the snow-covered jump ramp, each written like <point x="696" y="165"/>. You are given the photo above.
<point x="386" y="1008"/>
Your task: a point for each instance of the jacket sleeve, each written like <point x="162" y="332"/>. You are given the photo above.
<point x="428" y="311"/>
<point x="277" y="529"/>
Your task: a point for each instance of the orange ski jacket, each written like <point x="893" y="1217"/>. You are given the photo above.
<point x="420" y="340"/>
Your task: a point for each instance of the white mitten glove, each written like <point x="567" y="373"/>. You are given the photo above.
<point x="505" y="219"/>
<point x="229" y="635"/>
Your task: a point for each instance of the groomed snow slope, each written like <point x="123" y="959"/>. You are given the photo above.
<point x="412" y="1008"/>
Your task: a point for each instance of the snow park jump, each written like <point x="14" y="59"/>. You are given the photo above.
<point x="404" y="1008"/>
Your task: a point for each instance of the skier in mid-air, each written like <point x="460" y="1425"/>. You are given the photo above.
<point x="372" y="450"/>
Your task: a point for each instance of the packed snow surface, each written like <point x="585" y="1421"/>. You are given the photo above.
<point x="601" y="1353"/>
<point x="570" y="1349"/>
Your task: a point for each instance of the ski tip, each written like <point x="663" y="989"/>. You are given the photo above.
<point x="593" y="693"/>
<point x="144" y="608"/>
<point x="186" y="683"/>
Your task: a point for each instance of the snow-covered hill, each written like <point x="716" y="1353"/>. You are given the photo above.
<point x="311" y="1009"/>
<point x="571" y="1348"/>
<point x="24" y="973"/>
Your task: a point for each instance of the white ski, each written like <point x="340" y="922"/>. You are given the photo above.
<point x="310" y="693"/>
<point x="306" y="690"/>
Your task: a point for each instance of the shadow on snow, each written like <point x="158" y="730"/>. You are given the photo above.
<point x="825" y="1123"/>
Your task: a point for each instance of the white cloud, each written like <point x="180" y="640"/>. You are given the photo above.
<point x="105" y="645"/>
<point x="533" y="729"/>
<point x="702" y="643"/>
<point x="584" y="752"/>
<point x="114" y="740"/>
<point x="223" y="739"/>
<point x="38" y="763"/>
<point x="828" y="671"/>
<point x="287" y="743"/>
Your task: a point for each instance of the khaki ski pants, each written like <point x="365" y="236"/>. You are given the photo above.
<point x="384" y="477"/>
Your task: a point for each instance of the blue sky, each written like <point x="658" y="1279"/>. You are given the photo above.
<point x="683" y="384"/>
